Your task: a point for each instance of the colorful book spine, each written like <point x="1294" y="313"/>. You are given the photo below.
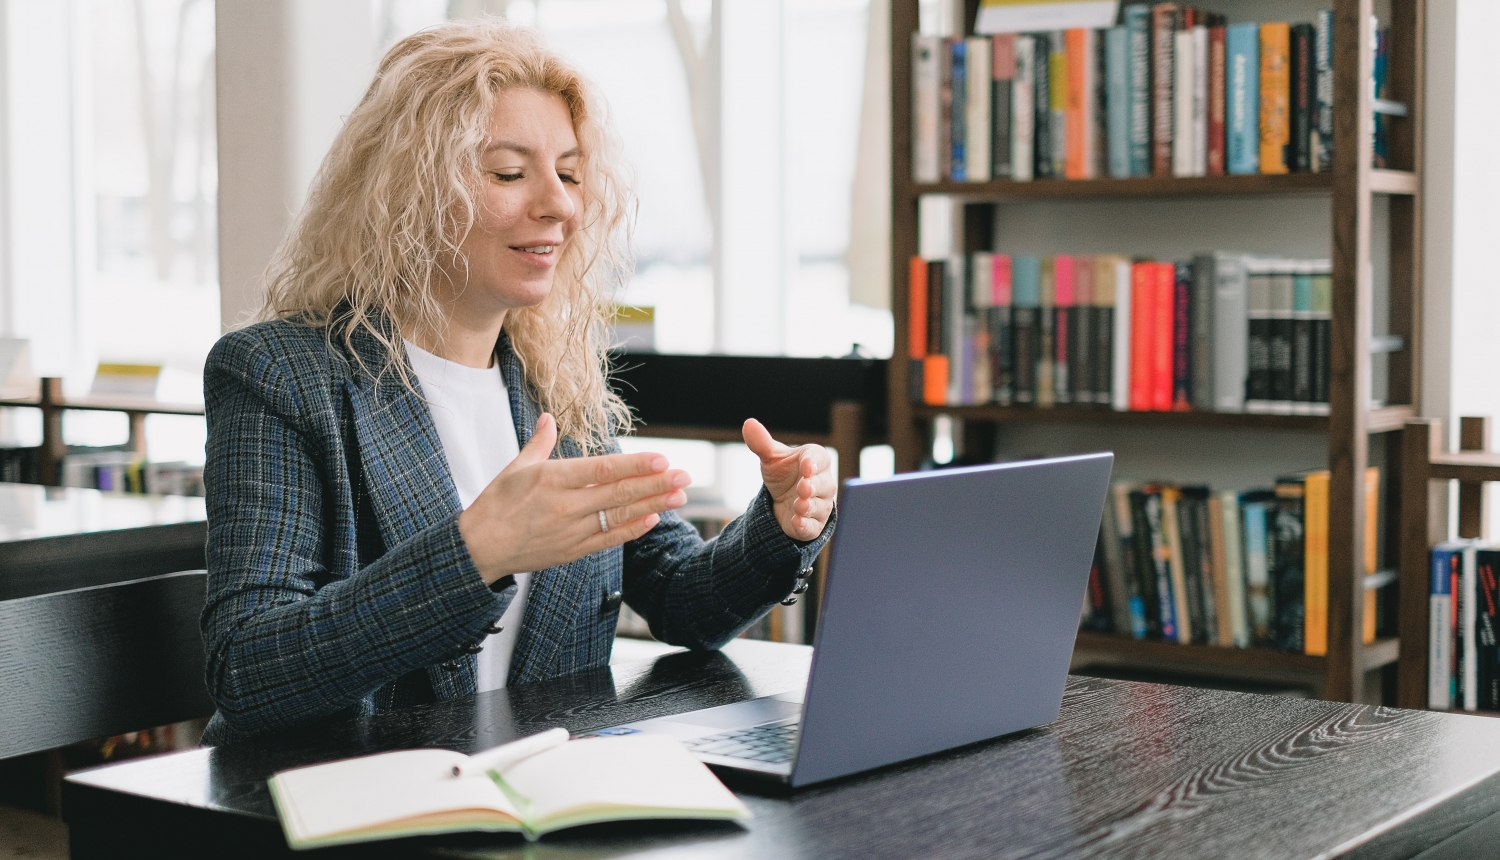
<point x="1446" y="560"/>
<point x="1315" y="564"/>
<point x="1183" y="49"/>
<point x="1275" y="97"/>
<point x="1025" y="326"/>
<point x="1063" y="327"/>
<point x="1159" y="564"/>
<point x="1302" y="340"/>
<point x="1230" y="321"/>
<point x="1199" y="112"/>
<point x="958" y="136"/>
<point x="916" y="329"/>
<point x="1171" y="527"/>
<point x="1164" y="18"/>
<point x="1303" y="89"/>
<point x="1201" y="331"/>
<point x="956" y="330"/>
<point x="1047" y="334"/>
<point x="1042" y="107"/>
<point x="1078" y="100"/>
<point x="1182" y="337"/>
<point x="1137" y="22"/>
<point x="1322" y="148"/>
<point x="1002" y="341"/>
<point x="1023" y="111"/>
<point x="1242" y="90"/>
<point x="978" y="68"/>
<point x="1117" y="99"/>
<point x="926" y="107"/>
<point x="1057" y="67"/>
<point x="1164" y="304"/>
<point x="1487" y="613"/>
<point x="1143" y="322"/>
<point x="1082" y="364"/>
<point x="1255" y="509"/>
<point x="1234" y="569"/>
<point x="1281" y="287"/>
<point x="1287" y="565"/>
<point x="1217" y="100"/>
<point x="1124" y="321"/>
<point x="1257" y="337"/>
<point x="1002" y="80"/>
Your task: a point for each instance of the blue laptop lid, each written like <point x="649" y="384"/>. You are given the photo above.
<point x="950" y="612"/>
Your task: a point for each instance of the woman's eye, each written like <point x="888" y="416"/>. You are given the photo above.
<point x="568" y="177"/>
<point x="509" y="177"/>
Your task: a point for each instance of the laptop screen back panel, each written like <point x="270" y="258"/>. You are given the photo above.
<point x="952" y="605"/>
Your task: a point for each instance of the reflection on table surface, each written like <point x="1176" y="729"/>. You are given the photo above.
<point x="28" y="511"/>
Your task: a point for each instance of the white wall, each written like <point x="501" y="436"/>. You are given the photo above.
<point x="288" y="71"/>
<point x="1462" y="183"/>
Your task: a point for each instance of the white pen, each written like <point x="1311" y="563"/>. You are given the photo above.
<point x="505" y="755"/>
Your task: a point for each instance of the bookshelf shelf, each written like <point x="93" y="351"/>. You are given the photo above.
<point x="1152" y="186"/>
<point x="1351" y="188"/>
<point x="1208" y="658"/>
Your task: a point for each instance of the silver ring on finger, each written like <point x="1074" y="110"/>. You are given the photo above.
<point x="603" y="522"/>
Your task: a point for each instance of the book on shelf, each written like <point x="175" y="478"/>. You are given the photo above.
<point x="1169" y="90"/>
<point x="1224" y="332"/>
<point x="125" y="471"/>
<point x="418" y="792"/>
<point x="1234" y="569"/>
<point x="1463" y="663"/>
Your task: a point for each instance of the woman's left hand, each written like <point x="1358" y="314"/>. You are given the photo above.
<point x="800" y="480"/>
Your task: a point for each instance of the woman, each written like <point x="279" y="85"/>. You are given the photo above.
<point x="413" y="488"/>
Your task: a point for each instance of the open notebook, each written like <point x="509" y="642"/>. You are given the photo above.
<point x="415" y="792"/>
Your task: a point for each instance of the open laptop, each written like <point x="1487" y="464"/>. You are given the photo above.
<point x="952" y="602"/>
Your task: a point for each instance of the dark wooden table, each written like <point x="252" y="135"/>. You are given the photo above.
<point x="1128" y="770"/>
<point x="99" y="601"/>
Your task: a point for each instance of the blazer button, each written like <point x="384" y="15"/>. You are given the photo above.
<point x="493" y="629"/>
<point x="611" y="603"/>
<point x="801" y="587"/>
<point x="474" y="649"/>
<point x="450" y="666"/>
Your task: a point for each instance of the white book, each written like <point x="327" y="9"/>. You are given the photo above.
<point x="1023" y="110"/>
<point x="935" y="227"/>
<point x="1231" y="323"/>
<point x="1200" y="100"/>
<point x="926" y="107"/>
<point x="981" y="280"/>
<point x="415" y="792"/>
<point x="978" y="73"/>
<point x="956" y="325"/>
<point x="1182" y="103"/>
<point x="1234" y="569"/>
<point x="1121" y="382"/>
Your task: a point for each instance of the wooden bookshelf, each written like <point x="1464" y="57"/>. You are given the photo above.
<point x="53" y="404"/>
<point x="1426" y="472"/>
<point x="1351" y="187"/>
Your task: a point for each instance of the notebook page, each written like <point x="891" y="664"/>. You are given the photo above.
<point x="363" y="792"/>
<point x="634" y="771"/>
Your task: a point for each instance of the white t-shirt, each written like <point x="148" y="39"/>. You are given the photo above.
<point x="471" y="411"/>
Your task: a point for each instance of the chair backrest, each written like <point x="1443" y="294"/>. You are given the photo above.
<point x="99" y="661"/>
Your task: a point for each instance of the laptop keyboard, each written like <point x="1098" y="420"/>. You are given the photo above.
<point x="773" y="743"/>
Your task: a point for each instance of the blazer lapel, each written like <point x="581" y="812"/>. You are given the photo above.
<point x="555" y="593"/>
<point x="406" y="473"/>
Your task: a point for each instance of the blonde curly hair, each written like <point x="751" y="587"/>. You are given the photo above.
<point x="399" y="190"/>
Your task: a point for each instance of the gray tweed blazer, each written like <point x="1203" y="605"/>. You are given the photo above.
<point x="338" y="582"/>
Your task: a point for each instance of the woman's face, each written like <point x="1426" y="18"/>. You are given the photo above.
<point x="528" y="207"/>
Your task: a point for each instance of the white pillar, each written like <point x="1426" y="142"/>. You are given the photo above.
<point x="288" y="72"/>
<point x="755" y="252"/>
<point x="45" y="222"/>
<point x="1461" y="183"/>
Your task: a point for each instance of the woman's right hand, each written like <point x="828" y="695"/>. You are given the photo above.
<point x="540" y="513"/>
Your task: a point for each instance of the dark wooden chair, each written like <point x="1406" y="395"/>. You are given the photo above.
<point x="100" y="660"/>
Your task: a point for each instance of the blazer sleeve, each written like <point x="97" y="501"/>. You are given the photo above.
<point x="700" y="594"/>
<point x="286" y="641"/>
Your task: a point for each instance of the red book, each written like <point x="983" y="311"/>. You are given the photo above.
<point x="1142" y="314"/>
<point x="916" y="308"/>
<point x="1000" y="281"/>
<point x="1216" y="97"/>
<point x="1163" y="301"/>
